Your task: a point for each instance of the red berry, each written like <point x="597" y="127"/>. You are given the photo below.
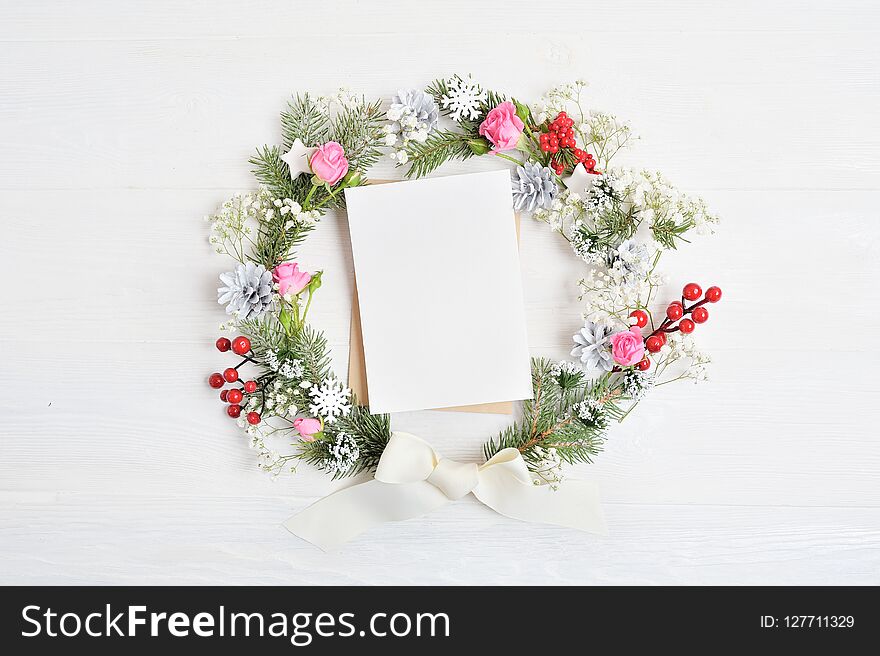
<point x="713" y="294"/>
<point x="654" y="343"/>
<point x="233" y="411"/>
<point x="224" y="394"/>
<point x="700" y="315"/>
<point x="215" y="380"/>
<point x="223" y="344"/>
<point x="580" y="154"/>
<point x="234" y="396"/>
<point x="644" y="364"/>
<point x="250" y="387"/>
<point x="686" y="326"/>
<point x="662" y="336"/>
<point x="641" y="317"/>
<point x="545" y="147"/>
<point x="231" y="375"/>
<point x="241" y="345"/>
<point x="554" y="148"/>
<point x="692" y="291"/>
<point x="675" y="311"/>
<point x="562" y="114"/>
<point x="253" y="418"/>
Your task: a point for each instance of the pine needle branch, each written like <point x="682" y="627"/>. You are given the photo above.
<point x="359" y="128"/>
<point x="272" y="172"/>
<point x="309" y="346"/>
<point x="441" y="146"/>
<point x="304" y="119"/>
<point x="552" y="420"/>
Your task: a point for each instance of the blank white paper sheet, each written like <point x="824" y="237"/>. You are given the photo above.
<point x="438" y="279"/>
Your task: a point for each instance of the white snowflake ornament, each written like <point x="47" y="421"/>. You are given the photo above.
<point x="330" y="400"/>
<point x="463" y="98"/>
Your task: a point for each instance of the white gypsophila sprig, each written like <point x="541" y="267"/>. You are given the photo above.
<point x="665" y="208"/>
<point x="284" y="367"/>
<point x="560" y="98"/>
<point x="682" y="348"/>
<point x="342" y="454"/>
<point x="564" y="209"/>
<point x="231" y="226"/>
<point x="237" y="219"/>
<point x="296" y="216"/>
<point x="610" y="295"/>
<point x="463" y="98"/>
<point x="635" y="383"/>
<point x="561" y="367"/>
<point x="547" y="467"/>
<point x="343" y="96"/>
<point x="330" y="400"/>
<point x="593" y="413"/>
<point x="283" y="397"/>
<point x="605" y="134"/>
<point x="568" y="375"/>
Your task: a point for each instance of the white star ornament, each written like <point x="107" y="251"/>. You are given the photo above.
<point x="297" y="159"/>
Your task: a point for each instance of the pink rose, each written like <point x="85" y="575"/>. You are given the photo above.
<point x="329" y="163"/>
<point x="502" y="127"/>
<point x="290" y="278"/>
<point x="627" y="346"/>
<point x="307" y="428"/>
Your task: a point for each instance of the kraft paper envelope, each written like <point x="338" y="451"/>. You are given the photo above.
<point x="357" y="373"/>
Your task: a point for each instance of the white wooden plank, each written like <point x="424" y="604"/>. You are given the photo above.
<point x="187" y="113"/>
<point x="166" y="19"/>
<point x="120" y="127"/>
<point x="120" y="539"/>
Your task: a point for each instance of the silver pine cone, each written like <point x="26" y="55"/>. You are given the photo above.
<point x="593" y="347"/>
<point x="414" y="114"/>
<point x="533" y="188"/>
<point x="247" y="291"/>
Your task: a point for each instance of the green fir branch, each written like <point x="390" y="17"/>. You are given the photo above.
<point x="550" y="419"/>
<point x="270" y="170"/>
<point x="309" y="346"/>
<point x="306" y="120"/>
<point x="667" y="232"/>
<point x="371" y="432"/>
<point x="441" y="146"/>
<point x="359" y="127"/>
<point x="265" y="332"/>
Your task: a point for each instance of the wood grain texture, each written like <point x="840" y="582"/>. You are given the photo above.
<point x="122" y="125"/>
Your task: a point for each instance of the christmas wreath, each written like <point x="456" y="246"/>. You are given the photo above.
<point x="618" y="221"/>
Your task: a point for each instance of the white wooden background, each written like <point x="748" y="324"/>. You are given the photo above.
<point x="123" y="124"/>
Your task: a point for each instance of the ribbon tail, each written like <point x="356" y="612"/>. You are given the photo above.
<point x="575" y="504"/>
<point x="345" y="514"/>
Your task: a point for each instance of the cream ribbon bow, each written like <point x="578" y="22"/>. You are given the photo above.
<point x="412" y="480"/>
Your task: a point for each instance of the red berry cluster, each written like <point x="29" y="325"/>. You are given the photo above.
<point x="241" y="345"/>
<point x="677" y="311"/>
<point x="561" y="136"/>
